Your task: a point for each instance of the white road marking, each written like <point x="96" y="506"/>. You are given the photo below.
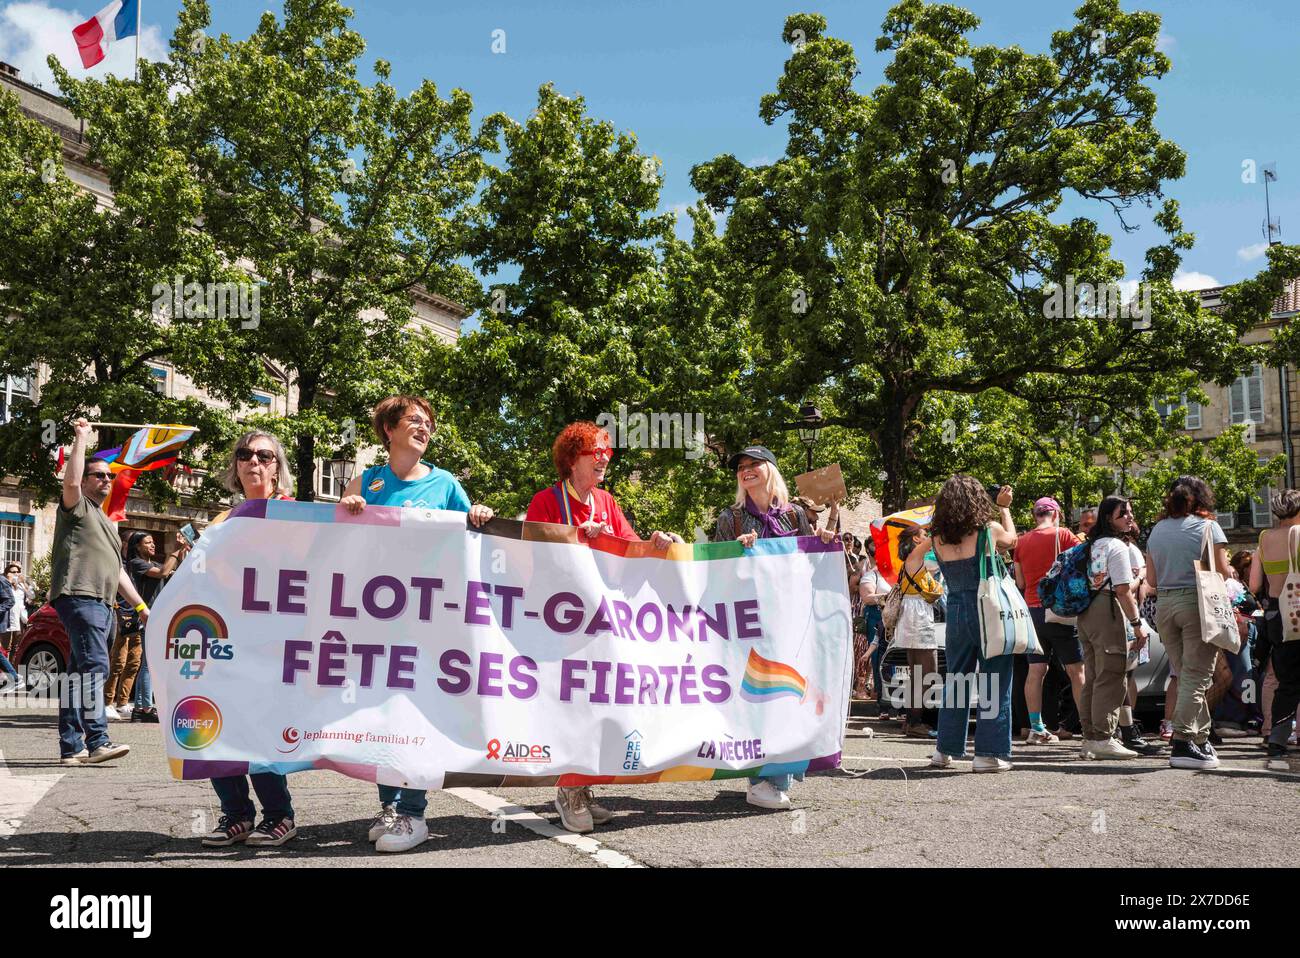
<point x="19" y="795"/>
<point x="508" y="812"/>
<point x="1228" y="765"/>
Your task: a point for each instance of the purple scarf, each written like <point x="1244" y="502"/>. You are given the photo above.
<point x="772" y="528"/>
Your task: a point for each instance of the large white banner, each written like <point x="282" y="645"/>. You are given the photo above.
<point x="403" y="648"/>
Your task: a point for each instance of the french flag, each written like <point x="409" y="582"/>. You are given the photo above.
<point x="115" y="22"/>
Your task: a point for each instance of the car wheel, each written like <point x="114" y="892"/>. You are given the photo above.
<point x="42" y="667"/>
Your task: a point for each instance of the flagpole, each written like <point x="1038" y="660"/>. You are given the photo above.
<point x="139" y="5"/>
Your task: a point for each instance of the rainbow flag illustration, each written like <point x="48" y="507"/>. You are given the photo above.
<point x="765" y="680"/>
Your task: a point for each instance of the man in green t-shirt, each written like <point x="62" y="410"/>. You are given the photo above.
<point x="86" y="574"/>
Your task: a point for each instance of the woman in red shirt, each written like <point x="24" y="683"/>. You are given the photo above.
<point x="582" y="452"/>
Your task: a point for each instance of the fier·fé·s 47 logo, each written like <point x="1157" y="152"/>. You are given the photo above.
<point x="196" y="722"/>
<point x="197" y="635"/>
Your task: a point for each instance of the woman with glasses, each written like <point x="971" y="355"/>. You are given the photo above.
<point x="404" y="425"/>
<point x="581" y="454"/>
<point x="258" y="469"/>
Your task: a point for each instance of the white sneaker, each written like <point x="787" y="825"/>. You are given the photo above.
<point x="110" y="714"/>
<point x="78" y="759"/>
<point x="939" y="760"/>
<point x="404" y="834"/>
<point x="1109" y="748"/>
<point x="124" y="712"/>
<point x="766" y="795"/>
<point x="571" y="803"/>
<point x="990" y="763"/>
<point x="382" y="823"/>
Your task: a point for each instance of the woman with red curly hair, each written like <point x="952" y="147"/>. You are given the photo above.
<point x="582" y="452"/>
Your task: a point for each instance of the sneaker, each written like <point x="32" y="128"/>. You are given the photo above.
<point x="145" y="715"/>
<point x="940" y="760"/>
<point x="1208" y="747"/>
<point x="1064" y="734"/>
<point x="1107" y="748"/>
<point x="404" y="834"/>
<point x="227" y="832"/>
<point x="575" y="816"/>
<point x="1040" y="737"/>
<point x="12" y="686"/>
<point x="1133" y="740"/>
<point x="1277" y="758"/>
<point x="600" y="815"/>
<point x="1185" y="754"/>
<point x="271" y="834"/>
<point x="990" y="763"/>
<point x="766" y="795"/>
<point x="110" y="714"/>
<point x="1214" y="737"/>
<point x="1166" y="730"/>
<point x="123" y="712"/>
<point x="382" y="823"/>
<point x="106" y="753"/>
<point x="1231" y="731"/>
<point x="77" y="759"/>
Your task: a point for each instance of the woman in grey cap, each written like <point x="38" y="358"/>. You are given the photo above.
<point x="763" y="510"/>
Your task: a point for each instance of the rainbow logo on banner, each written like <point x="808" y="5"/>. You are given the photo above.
<point x="198" y="618"/>
<point x="765" y="680"/>
<point x="196" y="722"/>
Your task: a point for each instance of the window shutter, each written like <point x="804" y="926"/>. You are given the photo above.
<point x="1255" y="393"/>
<point x="1237" y="400"/>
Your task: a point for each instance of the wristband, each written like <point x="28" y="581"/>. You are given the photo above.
<point x="140" y="608"/>
<point x="1135" y="622"/>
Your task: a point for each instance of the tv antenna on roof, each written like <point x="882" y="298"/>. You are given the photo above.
<point x="1272" y="227"/>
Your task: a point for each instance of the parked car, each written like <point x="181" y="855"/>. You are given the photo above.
<point x="42" y="653"/>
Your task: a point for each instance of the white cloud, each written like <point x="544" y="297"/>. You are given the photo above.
<point x="1184" y="280"/>
<point x="1165" y="43"/>
<point x="31" y="30"/>
<point x="1253" y="251"/>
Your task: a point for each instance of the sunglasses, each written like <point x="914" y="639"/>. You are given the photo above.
<point x="601" y="452"/>
<point x="99" y="476"/>
<point x="264" y="456"/>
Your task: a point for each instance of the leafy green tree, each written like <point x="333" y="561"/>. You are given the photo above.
<point x="905" y="253"/>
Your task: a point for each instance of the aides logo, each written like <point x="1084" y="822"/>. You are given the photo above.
<point x="292" y="738"/>
<point x="195" y="636"/>
<point x="520" y="753"/>
<point x="196" y="722"/>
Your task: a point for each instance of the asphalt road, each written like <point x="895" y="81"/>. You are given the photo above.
<point x="884" y="808"/>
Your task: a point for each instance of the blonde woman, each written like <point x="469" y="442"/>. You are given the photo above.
<point x="762" y="510"/>
<point x="1267" y="577"/>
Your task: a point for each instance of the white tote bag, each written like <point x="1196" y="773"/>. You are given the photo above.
<point x="1288" y="602"/>
<point x="1005" y="626"/>
<point x="1218" y="621"/>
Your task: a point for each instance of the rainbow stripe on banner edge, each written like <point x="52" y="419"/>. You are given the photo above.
<point x="320" y="512"/>
<point x="191" y="769"/>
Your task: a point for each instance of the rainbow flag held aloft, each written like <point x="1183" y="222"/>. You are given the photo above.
<point x="765" y="680"/>
<point x="153" y="447"/>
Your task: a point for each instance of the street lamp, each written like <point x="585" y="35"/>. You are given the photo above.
<point x="341" y="471"/>
<point x="809" y="425"/>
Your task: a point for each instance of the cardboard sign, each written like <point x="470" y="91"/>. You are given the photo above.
<point x="822" y="486"/>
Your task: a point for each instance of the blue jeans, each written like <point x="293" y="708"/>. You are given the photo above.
<point x="876" y="633"/>
<point x="272" y="791"/>
<point x="992" y="734"/>
<point x="409" y="801"/>
<point x="143" y="695"/>
<point x="89" y="623"/>
<point x="8" y="667"/>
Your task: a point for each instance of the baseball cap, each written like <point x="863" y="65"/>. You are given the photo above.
<point x="1046" y="504"/>
<point x="753" y="452"/>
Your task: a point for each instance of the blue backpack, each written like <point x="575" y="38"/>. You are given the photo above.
<point x="1064" y="589"/>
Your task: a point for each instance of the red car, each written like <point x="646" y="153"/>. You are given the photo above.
<point x="42" y="652"/>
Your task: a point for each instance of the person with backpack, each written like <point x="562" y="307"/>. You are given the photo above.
<point x="1036" y="551"/>
<point x="1173" y="548"/>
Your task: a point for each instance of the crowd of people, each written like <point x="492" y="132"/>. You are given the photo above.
<point x="102" y="595"/>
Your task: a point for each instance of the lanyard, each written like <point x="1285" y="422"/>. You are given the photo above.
<point x="562" y="492"/>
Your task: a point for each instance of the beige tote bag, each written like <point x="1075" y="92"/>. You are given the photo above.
<point x="1218" y="622"/>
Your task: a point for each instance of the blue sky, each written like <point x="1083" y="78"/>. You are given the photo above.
<point x="686" y="79"/>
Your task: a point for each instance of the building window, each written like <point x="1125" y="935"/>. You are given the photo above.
<point x="1260" y="514"/>
<point x="1193" y="418"/>
<point x="261" y="402"/>
<point x="158" y="380"/>
<point x="17" y="391"/>
<point x="326" y="487"/>
<point x="1246" y="397"/>
<point x="14" y="538"/>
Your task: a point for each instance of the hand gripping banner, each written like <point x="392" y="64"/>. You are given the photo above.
<point x="405" y="648"/>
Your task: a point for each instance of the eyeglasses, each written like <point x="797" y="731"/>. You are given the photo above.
<point x="99" y="476"/>
<point x="600" y="452"/>
<point x="264" y="456"/>
<point x="419" y="421"/>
